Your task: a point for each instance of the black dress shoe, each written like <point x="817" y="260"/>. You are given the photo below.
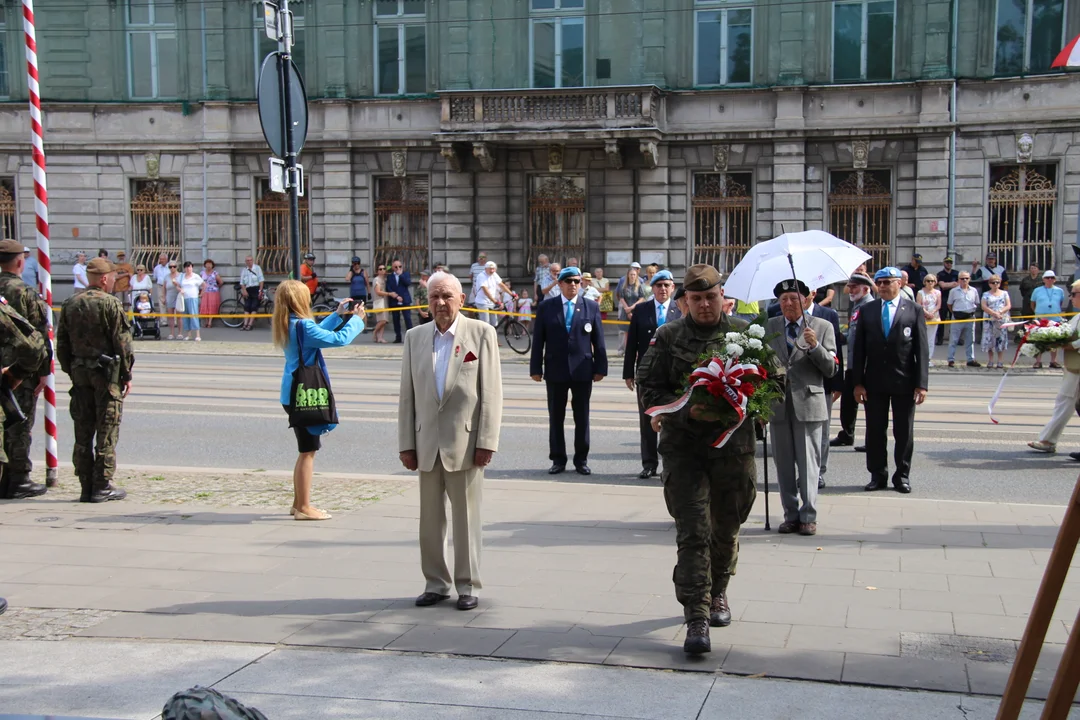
<point x="467" y="602"/>
<point x="583" y="470"/>
<point x="397" y="341"/>
<point x="429" y="598"/>
<point x="820" y="483"/>
<point x="875" y="485"/>
<point x="697" y="639"/>
<point x="647" y="473"/>
<point x="902" y="486"/>
<point x="556" y="469"/>
<point x="860" y="448"/>
<point x="1075" y="455"/>
<point x="841" y="442"/>
<point x="719" y="611"/>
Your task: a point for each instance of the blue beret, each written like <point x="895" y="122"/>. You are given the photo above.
<point x="887" y="273"/>
<point x="662" y="275"/>
<point x="569" y="273"/>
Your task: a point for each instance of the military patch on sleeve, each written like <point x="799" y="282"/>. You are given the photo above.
<point x="652" y="341"/>
<point x="855" y="317"/>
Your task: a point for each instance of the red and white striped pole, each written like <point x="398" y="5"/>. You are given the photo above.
<point x="41" y="210"/>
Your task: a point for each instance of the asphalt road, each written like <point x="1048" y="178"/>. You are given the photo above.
<point x="202" y="410"/>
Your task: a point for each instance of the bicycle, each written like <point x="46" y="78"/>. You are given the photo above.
<point x="518" y="337"/>
<point x="323" y="300"/>
<point x="235" y="308"/>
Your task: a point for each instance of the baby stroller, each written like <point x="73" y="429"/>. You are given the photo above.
<point x="144" y="325"/>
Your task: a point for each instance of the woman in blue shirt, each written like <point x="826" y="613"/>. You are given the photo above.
<point x="1047" y="300"/>
<point x="357" y="279"/>
<point x="292" y="310"/>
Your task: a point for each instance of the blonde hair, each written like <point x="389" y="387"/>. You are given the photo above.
<point x="994" y="277"/>
<point x="292" y="297"/>
<point x="1075" y="287"/>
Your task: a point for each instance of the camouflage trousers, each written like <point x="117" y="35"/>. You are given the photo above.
<point x="17" y="438"/>
<point x="709" y="498"/>
<point x="96" y="410"/>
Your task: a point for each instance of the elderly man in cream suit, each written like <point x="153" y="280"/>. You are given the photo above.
<point x="806" y="346"/>
<point x="449" y="413"/>
<point x="1068" y="393"/>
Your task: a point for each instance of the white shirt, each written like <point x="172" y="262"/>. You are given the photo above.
<point x="440" y="355"/>
<point x="477" y="272"/>
<point x="553" y="292"/>
<point x="161" y="274"/>
<point x="79" y="273"/>
<point x="190" y="286"/>
<point x="962" y="300"/>
<point x="145" y="284"/>
<point x="590" y="293"/>
<point x="894" y="305"/>
<point x="666" y="308"/>
<point x="491" y="283"/>
<point x="251" y="277"/>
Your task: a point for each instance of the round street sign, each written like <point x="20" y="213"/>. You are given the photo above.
<point x="271" y="105"/>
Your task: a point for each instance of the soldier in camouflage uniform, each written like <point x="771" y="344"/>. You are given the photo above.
<point x="24" y="300"/>
<point x="22" y="350"/>
<point x="93" y="345"/>
<point x="709" y="491"/>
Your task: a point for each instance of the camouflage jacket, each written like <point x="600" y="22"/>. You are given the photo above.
<point x="25" y="300"/>
<point x="22" y="348"/>
<point x="661" y="379"/>
<point x="92" y="324"/>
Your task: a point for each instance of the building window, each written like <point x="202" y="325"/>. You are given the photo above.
<point x="153" y="59"/>
<point x="264" y="45"/>
<point x="400" y="47"/>
<point x="5" y="89"/>
<point x="401" y="222"/>
<point x="1022" y="209"/>
<point x="863" y="40"/>
<point x="274" y="253"/>
<point x="1030" y="34"/>
<point x="557" y="226"/>
<point x="723" y="41"/>
<point x="7" y="209"/>
<point x="557" y="44"/>
<point x="723" y="219"/>
<point x="155" y="221"/>
<point x="860" y="211"/>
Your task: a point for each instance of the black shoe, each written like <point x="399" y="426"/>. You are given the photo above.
<point x="901" y="485"/>
<point x="820" y="483"/>
<point x="647" y="473"/>
<point x="839" y="441"/>
<point x="697" y="637"/>
<point x="20" y="486"/>
<point x="467" y="602"/>
<point x="719" y="612"/>
<point x="583" y="470"/>
<point x="397" y="341"/>
<point x="107" y="493"/>
<point x="3" y="605"/>
<point x="974" y="363"/>
<point x="1075" y="455"/>
<point x="860" y="448"/>
<point x="875" y="485"/>
<point x="556" y="469"/>
<point x="429" y="598"/>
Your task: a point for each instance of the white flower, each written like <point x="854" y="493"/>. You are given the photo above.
<point x="754" y="344"/>
<point x="733" y="350"/>
<point x="734" y="337"/>
<point x="755" y="331"/>
<point x="1029" y="350"/>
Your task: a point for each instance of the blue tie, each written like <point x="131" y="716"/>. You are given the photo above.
<point x="661" y="315"/>
<point x="569" y="315"/>
<point x="886" y="322"/>
<point x="792" y="333"/>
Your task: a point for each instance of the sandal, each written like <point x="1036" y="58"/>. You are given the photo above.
<point x="1055" y="366"/>
<point x="1037" y="365"/>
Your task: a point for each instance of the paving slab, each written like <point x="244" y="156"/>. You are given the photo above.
<point x="800" y="664"/>
<point x="906" y="672"/>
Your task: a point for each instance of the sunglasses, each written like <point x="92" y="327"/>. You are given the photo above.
<point x="884" y="282"/>
<point x="173" y="266"/>
<point x="993" y="282"/>
<point x="1074" y="294"/>
<point x="572" y="281"/>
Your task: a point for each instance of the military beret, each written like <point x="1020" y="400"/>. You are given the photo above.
<point x="99" y="266"/>
<point x="791" y="285"/>
<point x="860" y="279"/>
<point x="701" y="277"/>
<point x="662" y="275"/>
<point x="569" y="273"/>
<point x="11" y="247"/>
<point x="681" y="292"/>
<point x="887" y="273"/>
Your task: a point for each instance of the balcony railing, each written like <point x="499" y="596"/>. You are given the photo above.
<point x="577" y="108"/>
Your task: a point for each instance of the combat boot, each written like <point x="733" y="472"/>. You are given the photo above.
<point x="19" y="486"/>
<point x="87" y="486"/>
<point x="719" y="612"/>
<point x="106" y="492"/>
<point x="697" y="637"/>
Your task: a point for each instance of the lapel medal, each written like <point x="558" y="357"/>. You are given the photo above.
<point x="907" y="332"/>
<point x="457" y="350"/>
<point x="588" y="327"/>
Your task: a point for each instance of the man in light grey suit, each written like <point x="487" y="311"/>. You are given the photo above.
<point x="806" y="346"/>
<point x="449" y="414"/>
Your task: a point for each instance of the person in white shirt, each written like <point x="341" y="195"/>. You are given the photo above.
<point x="1065" y="402"/>
<point x="251" y="290"/>
<point x="79" y="272"/>
<point x="542" y="276"/>
<point x="551" y="290"/>
<point x="141" y="282"/>
<point x="477" y="272"/>
<point x="587" y="289"/>
<point x="963" y="300"/>
<point x="524" y="306"/>
<point x="488" y="293"/>
<point x="191" y="286"/>
<point x="161" y="274"/>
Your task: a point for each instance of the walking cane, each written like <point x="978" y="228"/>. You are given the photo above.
<point x="765" y="447"/>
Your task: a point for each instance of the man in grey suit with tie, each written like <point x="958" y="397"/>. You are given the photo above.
<point x="806" y="346"/>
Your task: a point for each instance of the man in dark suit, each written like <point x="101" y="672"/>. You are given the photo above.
<point x="568" y="352"/>
<point x="834" y="386"/>
<point x="397" y="284"/>
<point x="890" y="367"/>
<point x="643" y="323"/>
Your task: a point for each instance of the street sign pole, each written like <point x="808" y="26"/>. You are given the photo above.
<point x="291" y="179"/>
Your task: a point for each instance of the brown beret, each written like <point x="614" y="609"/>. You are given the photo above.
<point x="99" y="266"/>
<point x="11" y="247"/>
<point x="701" y="277"/>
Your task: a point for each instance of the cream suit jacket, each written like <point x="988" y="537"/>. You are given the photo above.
<point x="470" y="413"/>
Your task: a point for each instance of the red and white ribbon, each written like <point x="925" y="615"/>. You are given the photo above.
<point x="723" y="381"/>
<point x="41" y="209"/>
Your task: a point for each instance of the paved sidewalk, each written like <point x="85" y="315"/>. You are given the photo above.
<point x="893" y="591"/>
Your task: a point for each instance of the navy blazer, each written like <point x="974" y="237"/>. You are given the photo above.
<point x="894" y="365"/>
<point x="836" y="382"/>
<point x="568" y="357"/>
<point x="642" y="328"/>
<point x="401" y="288"/>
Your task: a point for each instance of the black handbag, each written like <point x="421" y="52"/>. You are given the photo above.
<point x="311" y="401"/>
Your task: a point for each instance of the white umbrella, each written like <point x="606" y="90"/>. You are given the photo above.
<point x="814" y="256"/>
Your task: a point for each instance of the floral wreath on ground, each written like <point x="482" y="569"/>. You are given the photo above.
<point x="731" y="384"/>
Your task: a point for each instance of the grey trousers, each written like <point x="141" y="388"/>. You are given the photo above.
<point x="796" y="452"/>
<point x="464" y="489"/>
<point x="962" y="334"/>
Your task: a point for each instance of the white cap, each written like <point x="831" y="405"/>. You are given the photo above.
<point x="635" y="265"/>
<point x="490" y="265"/>
<point x="1049" y="273"/>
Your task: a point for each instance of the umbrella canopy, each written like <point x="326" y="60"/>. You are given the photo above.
<point x="1069" y="57"/>
<point x="818" y="259"/>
